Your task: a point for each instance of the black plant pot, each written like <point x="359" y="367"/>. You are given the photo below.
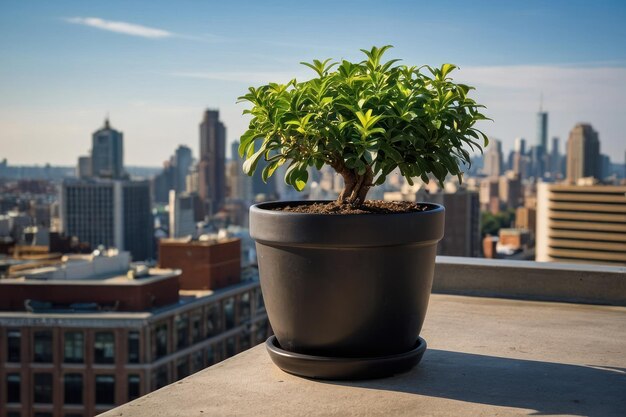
<point x="345" y="287"/>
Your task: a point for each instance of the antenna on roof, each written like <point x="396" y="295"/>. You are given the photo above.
<point x="541" y="102"/>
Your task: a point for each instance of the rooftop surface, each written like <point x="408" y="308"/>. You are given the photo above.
<point x="485" y="356"/>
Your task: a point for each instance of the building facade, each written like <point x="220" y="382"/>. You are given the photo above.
<point x="581" y="224"/>
<point x="112" y="213"/>
<point x="101" y="342"/>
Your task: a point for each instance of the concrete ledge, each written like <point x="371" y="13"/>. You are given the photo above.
<point x="486" y="357"/>
<point x="589" y="284"/>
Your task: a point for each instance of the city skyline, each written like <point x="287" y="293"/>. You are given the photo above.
<point x="154" y="72"/>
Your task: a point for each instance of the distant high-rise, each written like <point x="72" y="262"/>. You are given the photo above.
<point x="107" y="155"/>
<point x="182" y="162"/>
<point x="583" y="153"/>
<point x="520" y="146"/>
<point x="83" y="170"/>
<point x="540" y="148"/>
<point x="462" y="229"/>
<point x="113" y="213"/>
<point x="510" y="189"/>
<point x="520" y="160"/>
<point x="239" y="184"/>
<point x="493" y="159"/>
<point x="211" y="168"/>
<point x="542" y="130"/>
<point x="605" y="166"/>
<point x="555" y="158"/>
<point x="182" y="215"/>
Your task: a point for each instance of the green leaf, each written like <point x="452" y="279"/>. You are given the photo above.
<point x="446" y="69"/>
<point x="301" y="179"/>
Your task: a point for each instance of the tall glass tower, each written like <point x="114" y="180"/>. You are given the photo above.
<point x="107" y="154"/>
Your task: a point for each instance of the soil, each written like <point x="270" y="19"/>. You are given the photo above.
<point x="369" y="207"/>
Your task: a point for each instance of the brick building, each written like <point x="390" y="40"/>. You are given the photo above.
<point x="205" y="265"/>
<point x="77" y="344"/>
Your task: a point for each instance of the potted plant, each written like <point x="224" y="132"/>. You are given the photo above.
<point x="346" y="283"/>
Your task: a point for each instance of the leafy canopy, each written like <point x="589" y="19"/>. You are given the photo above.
<point x="365" y="117"/>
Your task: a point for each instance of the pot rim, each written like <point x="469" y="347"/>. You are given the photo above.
<point x="267" y="206"/>
<point x="280" y="228"/>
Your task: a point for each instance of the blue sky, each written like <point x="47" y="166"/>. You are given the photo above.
<point x="154" y="66"/>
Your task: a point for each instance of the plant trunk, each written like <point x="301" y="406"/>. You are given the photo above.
<point x="356" y="186"/>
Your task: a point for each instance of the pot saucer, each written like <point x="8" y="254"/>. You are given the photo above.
<point x="336" y="368"/>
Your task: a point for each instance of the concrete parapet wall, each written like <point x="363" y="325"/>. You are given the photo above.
<point x="589" y="284"/>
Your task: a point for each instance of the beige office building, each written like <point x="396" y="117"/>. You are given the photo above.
<point x="581" y="224"/>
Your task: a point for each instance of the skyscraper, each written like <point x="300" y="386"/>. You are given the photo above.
<point x="182" y="162"/>
<point x="211" y="169"/>
<point x="493" y="159"/>
<point x="542" y="130"/>
<point x="520" y="146"/>
<point x="583" y="153"/>
<point x="555" y="159"/>
<point x="539" y="150"/>
<point x="107" y="157"/>
<point x="520" y="160"/>
<point x="113" y="213"/>
<point x="174" y="175"/>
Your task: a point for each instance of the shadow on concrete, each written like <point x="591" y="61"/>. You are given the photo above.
<point x="545" y="387"/>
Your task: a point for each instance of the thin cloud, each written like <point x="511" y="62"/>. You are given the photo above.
<point x="243" y="76"/>
<point x="121" y="27"/>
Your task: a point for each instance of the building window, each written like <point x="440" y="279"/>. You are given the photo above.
<point x="13" y="414"/>
<point x="42" y="389"/>
<point x="74" y="347"/>
<point x="73" y="384"/>
<point x="105" y="389"/>
<point x="133" y="387"/>
<point x="244" y="307"/>
<point x="133" y="346"/>
<point x="210" y="355"/>
<point x="229" y="312"/>
<point x="182" y="367"/>
<point x="13" y="388"/>
<point x="160" y="377"/>
<point x="261" y="331"/>
<point x="260" y="303"/>
<point x="244" y="339"/>
<point x="104" y="348"/>
<point x="14" y="339"/>
<point x="42" y="351"/>
<point x="196" y="335"/>
<point x="160" y="335"/>
<point x="182" y="332"/>
<point x="230" y="347"/>
<point x="196" y="361"/>
<point x="42" y="414"/>
<point x="213" y="320"/>
<point x="73" y="415"/>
